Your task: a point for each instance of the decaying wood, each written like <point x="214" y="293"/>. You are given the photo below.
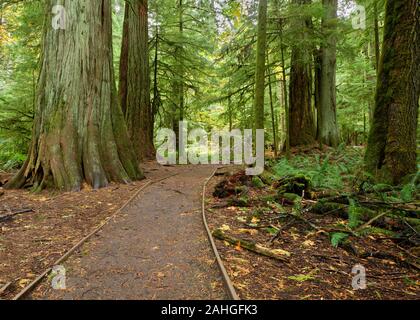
<point x="256" y="248"/>
<point x="389" y="256"/>
<point x="4" y="288"/>
<point x="8" y="216"/>
<point x="367" y="224"/>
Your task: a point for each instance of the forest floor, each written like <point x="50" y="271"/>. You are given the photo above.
<point x="50" y="224"/>
<point x="299" y="260"/>
<point x="156" y="248"/>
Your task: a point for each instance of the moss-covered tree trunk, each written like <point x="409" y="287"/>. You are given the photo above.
<point x="79" y="135"/>
<point x="376" y="32"/>
<point x="260" y="66"/>
<point x="135" y="78"/>
<point x="302" y="124"/>
<point x="391" y="151"/>
<point x="327" y="117"/>
<point x="283" y="90"/>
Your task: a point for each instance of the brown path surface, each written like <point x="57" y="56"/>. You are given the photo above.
<point x="156" y="249"/>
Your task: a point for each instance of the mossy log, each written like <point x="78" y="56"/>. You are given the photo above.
<point x="337" y="209"/>
<point x="251" y="246"/>
<point x="239" y="202"/>
<point x="299" y="185"/>
<point x="268" y="177"/>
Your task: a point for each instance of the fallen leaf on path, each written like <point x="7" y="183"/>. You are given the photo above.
<point x="308" y="243"/>
<point x="224" y="227"/>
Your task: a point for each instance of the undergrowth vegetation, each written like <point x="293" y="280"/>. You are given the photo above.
<point x="336" y="185"/>
<point x="333" y="171"/>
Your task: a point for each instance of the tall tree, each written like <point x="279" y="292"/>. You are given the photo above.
<point x="391" y="151"/>
<point x="376" y="32"/>
<point x="79" y="134"/>
<point x="302" y="124"/>
<point x="260" y="69"/>
<point x="135" y="78"/>
<point x="327" y="126"/>
<point x="178" y="86"/>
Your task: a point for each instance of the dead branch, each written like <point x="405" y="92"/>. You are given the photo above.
<point x="10" y="215"/>
<point x="367" y="224"/>
<point x="253" y="247"/>
<point x="5" y="288"/>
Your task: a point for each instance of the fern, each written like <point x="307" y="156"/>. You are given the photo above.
<point x="337" y="238"/>
<point x="407" y="192"/>
<point x="355" y="213"/>
<point x="321" y="173"/>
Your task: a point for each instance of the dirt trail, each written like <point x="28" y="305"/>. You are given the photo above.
<point x="156" y="249"/>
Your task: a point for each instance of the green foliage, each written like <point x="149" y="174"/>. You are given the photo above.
<point x="322" y="172"/>
<point x="257" y="182"/>
<point x="19" y="54"/>
<point x="407" y="192"/>
<point x="410" y="189"/>
<point x="355" y="213"/>
<point x="213" y="59"/>
<point x="10" y="156"/>
<point x="338" y="238"/>
<point x="271" y="231"/>
<point x="304" y="277"/>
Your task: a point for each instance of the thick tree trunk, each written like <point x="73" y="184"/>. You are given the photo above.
<point x="135" y="79"/>
<point x="260" y="66"/>
<point x="391" y="151"/>
<point x="79" y="133"/>
<point x="302" y="124"/>
<point x="327" y="126"/>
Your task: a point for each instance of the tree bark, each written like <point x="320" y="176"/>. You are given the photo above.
<point x="302" y="124"/>
<point x="79" y="135"/>
<point x="178" y="86"/>
<point x="391" y="151"/>
<point x="317" y="56"/>
<point x="328" y="128"/>
<point x="273" y="114"/>
<point x="260" y="66"/>
<point x="283" y="89"/>
<point x="135" y="79"/>
<point x="376" y="31"/>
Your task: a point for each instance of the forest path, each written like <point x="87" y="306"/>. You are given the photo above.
<point x="157" y="248"/>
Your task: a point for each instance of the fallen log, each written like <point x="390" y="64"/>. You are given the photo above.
<point x="367" y="224"/>
<point x="251" y="246"/>
<point x="7" y="217"/>
<point x="5" y="288"/>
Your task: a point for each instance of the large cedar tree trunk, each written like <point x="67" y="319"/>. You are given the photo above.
<point x="134" y="88"/>
<point x="79" y="135"/>
<point x="327" y="126"/>
<point x="391" y="151"/>
<point x="302" y="124"/>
